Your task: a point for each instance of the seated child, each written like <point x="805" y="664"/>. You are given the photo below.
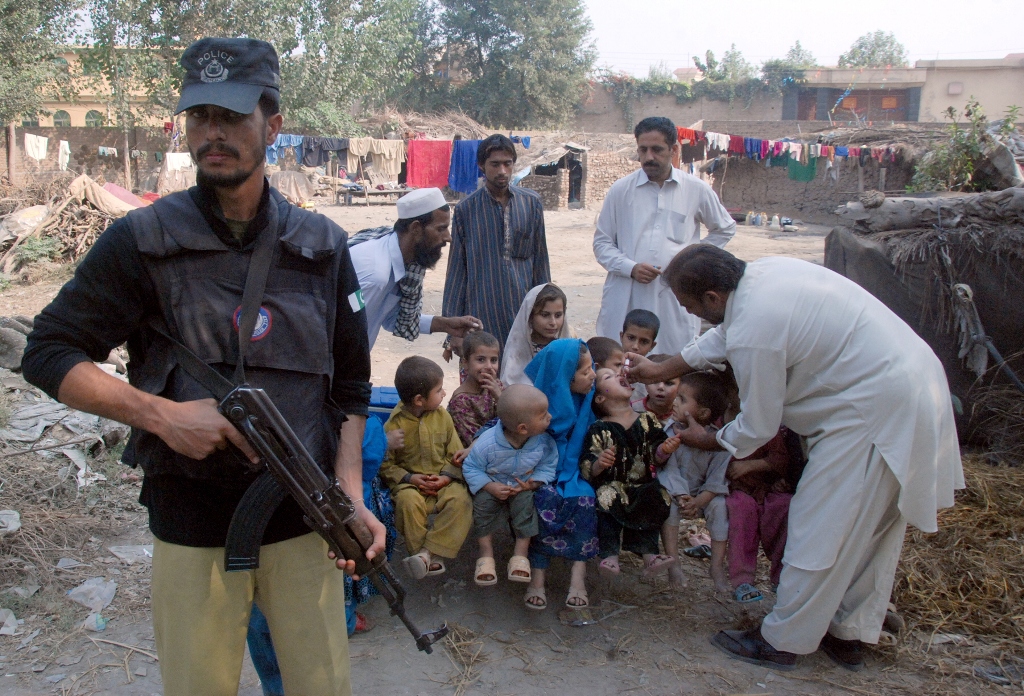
<point x="661" y="396"/>
<point x="639" y="335"/>
<point x="541" y="320"/>
<point x="619" y="458"/>
<point x="475" y="401"/>
<point x="758" y="503"/>
<point x="696" y="478"/>
<point x="606" y="353"/>
<point x="421" y="476"/>
<point x="503" y="469"/>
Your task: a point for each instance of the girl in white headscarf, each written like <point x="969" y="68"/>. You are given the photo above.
<point x="541" y="320"/>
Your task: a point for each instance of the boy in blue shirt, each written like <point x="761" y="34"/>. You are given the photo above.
<point x="506" y="465"/>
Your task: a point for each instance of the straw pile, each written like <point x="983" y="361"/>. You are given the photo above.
<point x="969" y="577"/>
<point x="1001" y="421"/>
<point x="465" y="651"/>
<point x="441" y="126"/>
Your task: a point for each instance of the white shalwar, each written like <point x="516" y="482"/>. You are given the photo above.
<point x="642" y="222"/>
<point x="815" y="352"/>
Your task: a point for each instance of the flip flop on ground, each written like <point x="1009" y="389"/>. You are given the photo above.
<point x="747" y="593"/>
<point x="702" y="551"/>
<point x="485" y="574"/>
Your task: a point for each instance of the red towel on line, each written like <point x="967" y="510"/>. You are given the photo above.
<point x="736" y="146"/>
<point x="427" y="163"/>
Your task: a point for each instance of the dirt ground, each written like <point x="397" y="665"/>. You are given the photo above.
<point x="656" y="642"/>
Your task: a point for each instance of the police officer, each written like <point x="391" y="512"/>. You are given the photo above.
<point x="182" y="264"/>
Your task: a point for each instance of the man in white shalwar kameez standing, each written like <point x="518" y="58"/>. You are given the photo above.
<point x="647" y="218"/>
<point x="819" y="354"/>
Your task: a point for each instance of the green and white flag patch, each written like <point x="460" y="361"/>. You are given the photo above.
<point x="355" y="300"/>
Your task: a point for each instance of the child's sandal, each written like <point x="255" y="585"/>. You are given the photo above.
<point x="608" y="568"/>
<point x="657" y="563"/>
<point x="747" y="593"/>
<point x="537" y="593"/>
<point x="417" y="566"/>
<point x="519" y="564"/>
<point x="484" y="568"/>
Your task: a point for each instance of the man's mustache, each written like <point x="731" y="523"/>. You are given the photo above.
<point x="216" y="147"/>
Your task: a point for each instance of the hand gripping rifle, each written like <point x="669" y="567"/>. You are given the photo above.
<point x="327" y="509"/>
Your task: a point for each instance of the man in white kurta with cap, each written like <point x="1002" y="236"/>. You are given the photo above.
<point x="647" y="217"/>
<point x="819" y="354"/>
<point x="390" y="263"/>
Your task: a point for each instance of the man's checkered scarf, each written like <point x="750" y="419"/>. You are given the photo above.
<point x="410" y="287"/>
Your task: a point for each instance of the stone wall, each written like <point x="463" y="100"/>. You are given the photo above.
<point x="600" y="171"/>
<point x="85" y="157"/>
<point x="553" y="190"/>
<point x="750" y="185"/>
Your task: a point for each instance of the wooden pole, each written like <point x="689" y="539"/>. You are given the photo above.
<point x="127" y="164"/>
<point x="12" y="154"/>
<point x="881" y="178"/>
<point x="860" y="178"/>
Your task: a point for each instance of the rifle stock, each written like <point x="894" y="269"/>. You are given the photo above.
<point x="327" y="509"/>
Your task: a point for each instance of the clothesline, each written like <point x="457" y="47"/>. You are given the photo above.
<point x="801" y="151"/>
<point x="36" y="147"/>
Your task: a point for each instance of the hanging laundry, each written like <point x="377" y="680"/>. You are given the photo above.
<point x="158" y="156"/>
<point x="63" y="155"/>
<point x="107" y="151"/>
<point x="464" y="171"/>
<point x="284" y="140"/>
<point x="387" y="157"/>
<point x="803" y="172"/>
<point x="35" y="146"/>
<point x="316" y="151"/>
<point x="357" y="148"/>
<point x="842" y="152"/>
<point x="428" y="163"/>
<point x="524" y="140"/>
<point x="752" y="148"/>
<point x="736" y="145"/>
<point x="177" y="161"/>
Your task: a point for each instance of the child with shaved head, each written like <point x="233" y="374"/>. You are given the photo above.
<point x="506" y="465"/>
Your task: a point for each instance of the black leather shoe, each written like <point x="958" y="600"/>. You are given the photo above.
<point x="845" y="653"/>
<point x="750" y="646"/>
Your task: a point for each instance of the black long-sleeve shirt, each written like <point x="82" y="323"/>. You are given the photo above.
<point x="106" y="304"/>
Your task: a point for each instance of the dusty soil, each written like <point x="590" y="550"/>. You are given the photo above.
<point x="656" y="644"/>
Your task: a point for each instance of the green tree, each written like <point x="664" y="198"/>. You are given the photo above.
<point x="878" y="49"/>
<point x="732" y="68"/>
<point x="332" y="52"/>
<point x="31" y="68"/>
<point x="514" y="63"/>
<point x="800" y="57"/>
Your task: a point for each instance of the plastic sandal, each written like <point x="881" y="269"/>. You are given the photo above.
<point x="580" y="595"/>
<point x="417" y="566"/>
<point x="657" y="563"/>
<point x="536" y="593"/>
<point x="702" y="551"/>
<point x="519" y="564"/>
<point x="485" y="567"/>
<point x="609" y="568"/>
<point x="434" y="560"/>
<point x="747" y="593"/>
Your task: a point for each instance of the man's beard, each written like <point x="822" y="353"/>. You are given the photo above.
<point x="427" y="256"/>
<point x="230" y="180"/>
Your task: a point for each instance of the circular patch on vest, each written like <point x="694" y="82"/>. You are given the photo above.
<point x="263" y="322"/>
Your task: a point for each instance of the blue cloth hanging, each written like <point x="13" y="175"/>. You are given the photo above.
<point x="464" y="171"/>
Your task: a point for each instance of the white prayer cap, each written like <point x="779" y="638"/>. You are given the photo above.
<point x="420" y="202"/>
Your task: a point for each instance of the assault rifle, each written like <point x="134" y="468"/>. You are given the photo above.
<point x="327" y="509"/>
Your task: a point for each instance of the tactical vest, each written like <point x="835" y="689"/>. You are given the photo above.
<point x="199" y="281"/>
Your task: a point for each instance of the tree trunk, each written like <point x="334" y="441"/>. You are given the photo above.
<point x="127" y="164"/>
<point x="999" y="207"/>
<point x="12" y="154"/>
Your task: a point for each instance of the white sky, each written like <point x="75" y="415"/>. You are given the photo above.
<point x="632" y="36"/>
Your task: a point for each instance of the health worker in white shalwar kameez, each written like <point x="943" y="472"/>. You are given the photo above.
<point x="647" y="218"/>
<point x="817" y="353"/>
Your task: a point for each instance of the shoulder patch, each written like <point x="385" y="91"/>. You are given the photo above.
<point x="355" y="300"/>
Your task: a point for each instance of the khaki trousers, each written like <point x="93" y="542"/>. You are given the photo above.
<point x="454" y="509"/>
<point x="201" y="617"/>
<point x="850" y="598"/>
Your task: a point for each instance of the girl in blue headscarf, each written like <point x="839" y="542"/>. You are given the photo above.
<point x="568" y="520"/>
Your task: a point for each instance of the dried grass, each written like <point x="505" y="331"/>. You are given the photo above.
<point x="465" y="650"/>
<point x="999" y="418"/>
<point x="443" y="126"/>
<point x="969" y="577"/>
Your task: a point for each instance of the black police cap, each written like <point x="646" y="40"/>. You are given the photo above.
<point x="230" y="73"/>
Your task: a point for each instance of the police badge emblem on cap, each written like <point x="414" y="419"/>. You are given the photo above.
<point x="230" y="73"/>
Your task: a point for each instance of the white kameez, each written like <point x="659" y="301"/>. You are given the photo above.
<point x="817" y="353"/>
<point x="641" y="222"/>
